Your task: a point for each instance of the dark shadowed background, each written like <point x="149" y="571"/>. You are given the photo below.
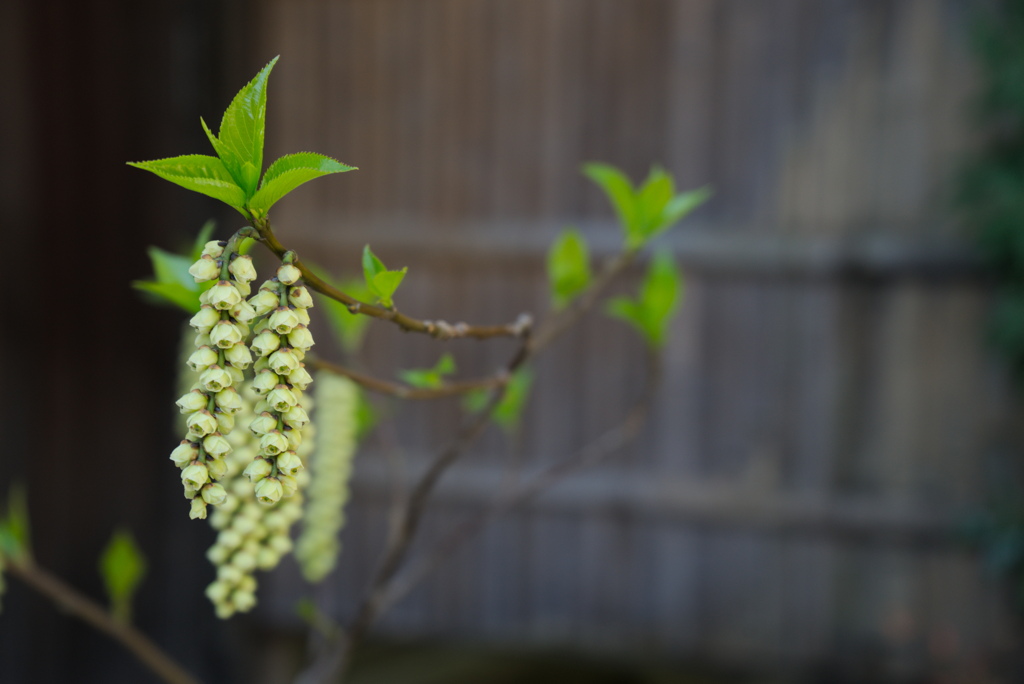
<point x="829" y="412"/>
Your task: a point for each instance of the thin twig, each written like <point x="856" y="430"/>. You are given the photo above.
<point x="401" y="391"/>
<point x="68" y="598"/>
<point x="441" y="330"/>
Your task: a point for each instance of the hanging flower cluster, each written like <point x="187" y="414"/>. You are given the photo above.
<point x="252" y="536"/>
<point x="281" y="342"/>
<point x="331" y="465"/>
<point x="222" y="325"/>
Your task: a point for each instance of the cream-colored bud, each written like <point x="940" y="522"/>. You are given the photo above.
<point x="299" y="297"/>
<point x="184" y="453"/>
<point x="243" y="312"/>
<point x="269" y="490"/>
<point x="289" y="463"/>
<point x="244" y="287"/>
<point x="265" y="343"/>
<point x="301" y="338"/>
<point x="244" y="561"/>
<point x="214" y="494"/>
<point x="205" y="319"/>
<point x="263" y="423"/>
<point x="229" y="400"/>
<point x="294" y="438"/>
<point x="195" y="475"/>
<point x="230" y="574"/>
<point x="289" y="485"/>
<point x="244" y="525"/>
<point x="265" y="381"/>
<point x="283" y="320"/>
<point x="280" y="544"/>
<point x="300" y="378"/>
<point x="223" y="296"/>
<point x="288" y="274"/>
<point x="215" y="378"/>
<point x="267" y="559"/>
<point x="241" y="267"/>
<point x="218" y="467"/>
<point x="296" y="417"/>
<point x="201" y="359"/>
<point x="198" y="510"/>
<point x="303" y="315"/>
<point x="201" y="423"/>
<point x="281" y="398"/>
<point x="243" y="600"/>
<point x="283" y="361"/>
<point x="203" y="340"/>
<point x="265" y="301"/>
<point x="225" y="422"/>
<point x="214" y="248"/>
<point x="273" y="443"/>
<point x="237" y="376"/>
<point x="238" y="356"/>
<point x="204" y="269"/>
<point x="225" y="334"/>
<point x="216" y="445"/>
<point x="217" y="553"/>
<point x="258" y="469"/>
<point x="193" y="401"/>
<point x="217" y="591"/>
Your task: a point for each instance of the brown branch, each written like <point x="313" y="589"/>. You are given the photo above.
<point x="68" y="598"/>
<point x="437" y="329"/>
<point x="407" y="391"/>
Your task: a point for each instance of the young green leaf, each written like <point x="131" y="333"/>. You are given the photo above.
<point x="651" y="312"/>
<point x="510" y="409"/>
<point x="122" y="567"/>
<point x="201" y="173"/>
<point x="242" y="131"/>
<point x="366" y="417"/>
<point x="429" y="378"/>
<point x="170" y="293"/>
<point x="619" y="191"/>
<point x="14" y="527"/>
<point x="201" y="239"/>
<point x="381" y="282"/>
<point x="653" y="195"/>
<point x="288" y="173"/>
<point x="568" y="267"/>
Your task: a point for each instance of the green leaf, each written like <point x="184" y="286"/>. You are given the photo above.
<point x="619" y="191"/>
<point x="174" y="294"/>
<point x="288" y="173"/>
<point x="509" y="410"/>
<point x="201" y="173"/>
<point x="242" y="131"/>
<point x="651" y="312"/>
<point x="14" y="527"/>
<point x="381" y="282"/>
<point x="429" y="378"/>
<point x="171" y="269"/>
<point x="568" y="267"/>
<point x="652" y="197"/>
<point x="366" y="416"/>
<point x="122" y="567"/>
<point x="680" y="206"/>
<point x="201" y="239"/>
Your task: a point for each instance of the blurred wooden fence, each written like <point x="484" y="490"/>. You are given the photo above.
<point x="827" y="405"/>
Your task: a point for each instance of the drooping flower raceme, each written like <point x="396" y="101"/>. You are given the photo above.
<point x="317" y="549"/>
<point x="280" y="344"/>
<point x="220" y="356"/>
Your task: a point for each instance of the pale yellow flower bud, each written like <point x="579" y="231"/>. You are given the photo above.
<point x="201" y="423"/>
<point x="288" y="274"/>
<point x="265" y="381"/>
<point x="201" y="359"/>
<point x="225" y="334"/>
<point x="269" y="490"/>
<point x="216" y="445"/>
<point x="215" y="378"/>
<point x="195" y="475"/>
<point x="303" y="316"/>
<point x="273" y="443"/>
<point x="281" y="398"/>
<point x="229" y="400"/>
<point x="205" y="319"/>
<point x="225" y="422"/>
<point x="243" y="312"/>
<point x="204" y="269"/>
<point x="257" y="470"/>
<point x="300" y="378"/>
<point x="241" y="267"/>
<point x="299" y="297"/>
<point x="265" y="343"/>
<point x="301" y="338"/>
<point x="296" y="417"/>
<point x="243" y="600"/>
<point x="214" y="494"/>
<point x="184" y="453"/>
<point x="217" y="467"/>
<point x="223" y="296"/>
<point x="281" y="544"/>
<point x="283" y="320"/>
<point x="218" y="591"/>
<point x="283" y="361"/>
<point x="265" y="301"/>
<point x="193" y="401"/>
<point x="214" y="248"/>
<point x="289" y="485"/>
<point x="289" y="463"/>
<point x="198" y="510"/>
<point x="263" y="423"/>
<point x="237" y="376"/>
<point x="294" y="438"/>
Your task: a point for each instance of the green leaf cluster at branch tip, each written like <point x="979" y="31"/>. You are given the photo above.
<point x="233" y="176"/>
<point x="568" y="268"/>
<point x="651" y="311"/>
<point x="429" y="378"/>
<point x="122" y="567"/>
<point x="381" y="282"/>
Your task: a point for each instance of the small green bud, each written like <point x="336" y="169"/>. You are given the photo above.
<point x="216" y="445"/>
<point x="184" y="453"/>
<point x="300" y="378"/>
<point x="225" y="334"/>
<point x="205" y="319"/>
<point x="201" y="423"/>
<point x="301" y="338"/>
<point x="229" y="400"/>
<point x="281" y="398"/>
<point x="225" y="422"/>
<point x="299" y="297"/>
<point x="269" y="490"/>
<point x="198" y="510"/>
<point x="257" y="470"/>
<point x="218" y="467"/>
<point x="273" y="443"/>
<point x="280" y="543"/>
<point x="201" y="359"/>
<point x="204" y="269"/>
<point x="294" y="438"/>
<point x="238" y="356"/>
<point x="214" y="494"/>
<point x="265" y="381"/>
<point x="265" y="343"/>
<point x="237" y="376"/>
<point x="217" y="591"/>
<point x="289" y="463"/>
<point x="288" y="274"/>
<point x="289" y="484"/>
<point x="244" y="600"/>
<point x="296" y="417"/>
<point x="223" y="296"/>
<point x="243" y="312"/>
<point x="195" y="475"/>
<point x="215" y="378"/>
<point x="193" y="401"/>
<point x="283" y="320"/>
<point x="241" y="267"/>
<point x="283" y="361"/>
<point x="263" y="423"/>
<point x="265" y="301"/>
